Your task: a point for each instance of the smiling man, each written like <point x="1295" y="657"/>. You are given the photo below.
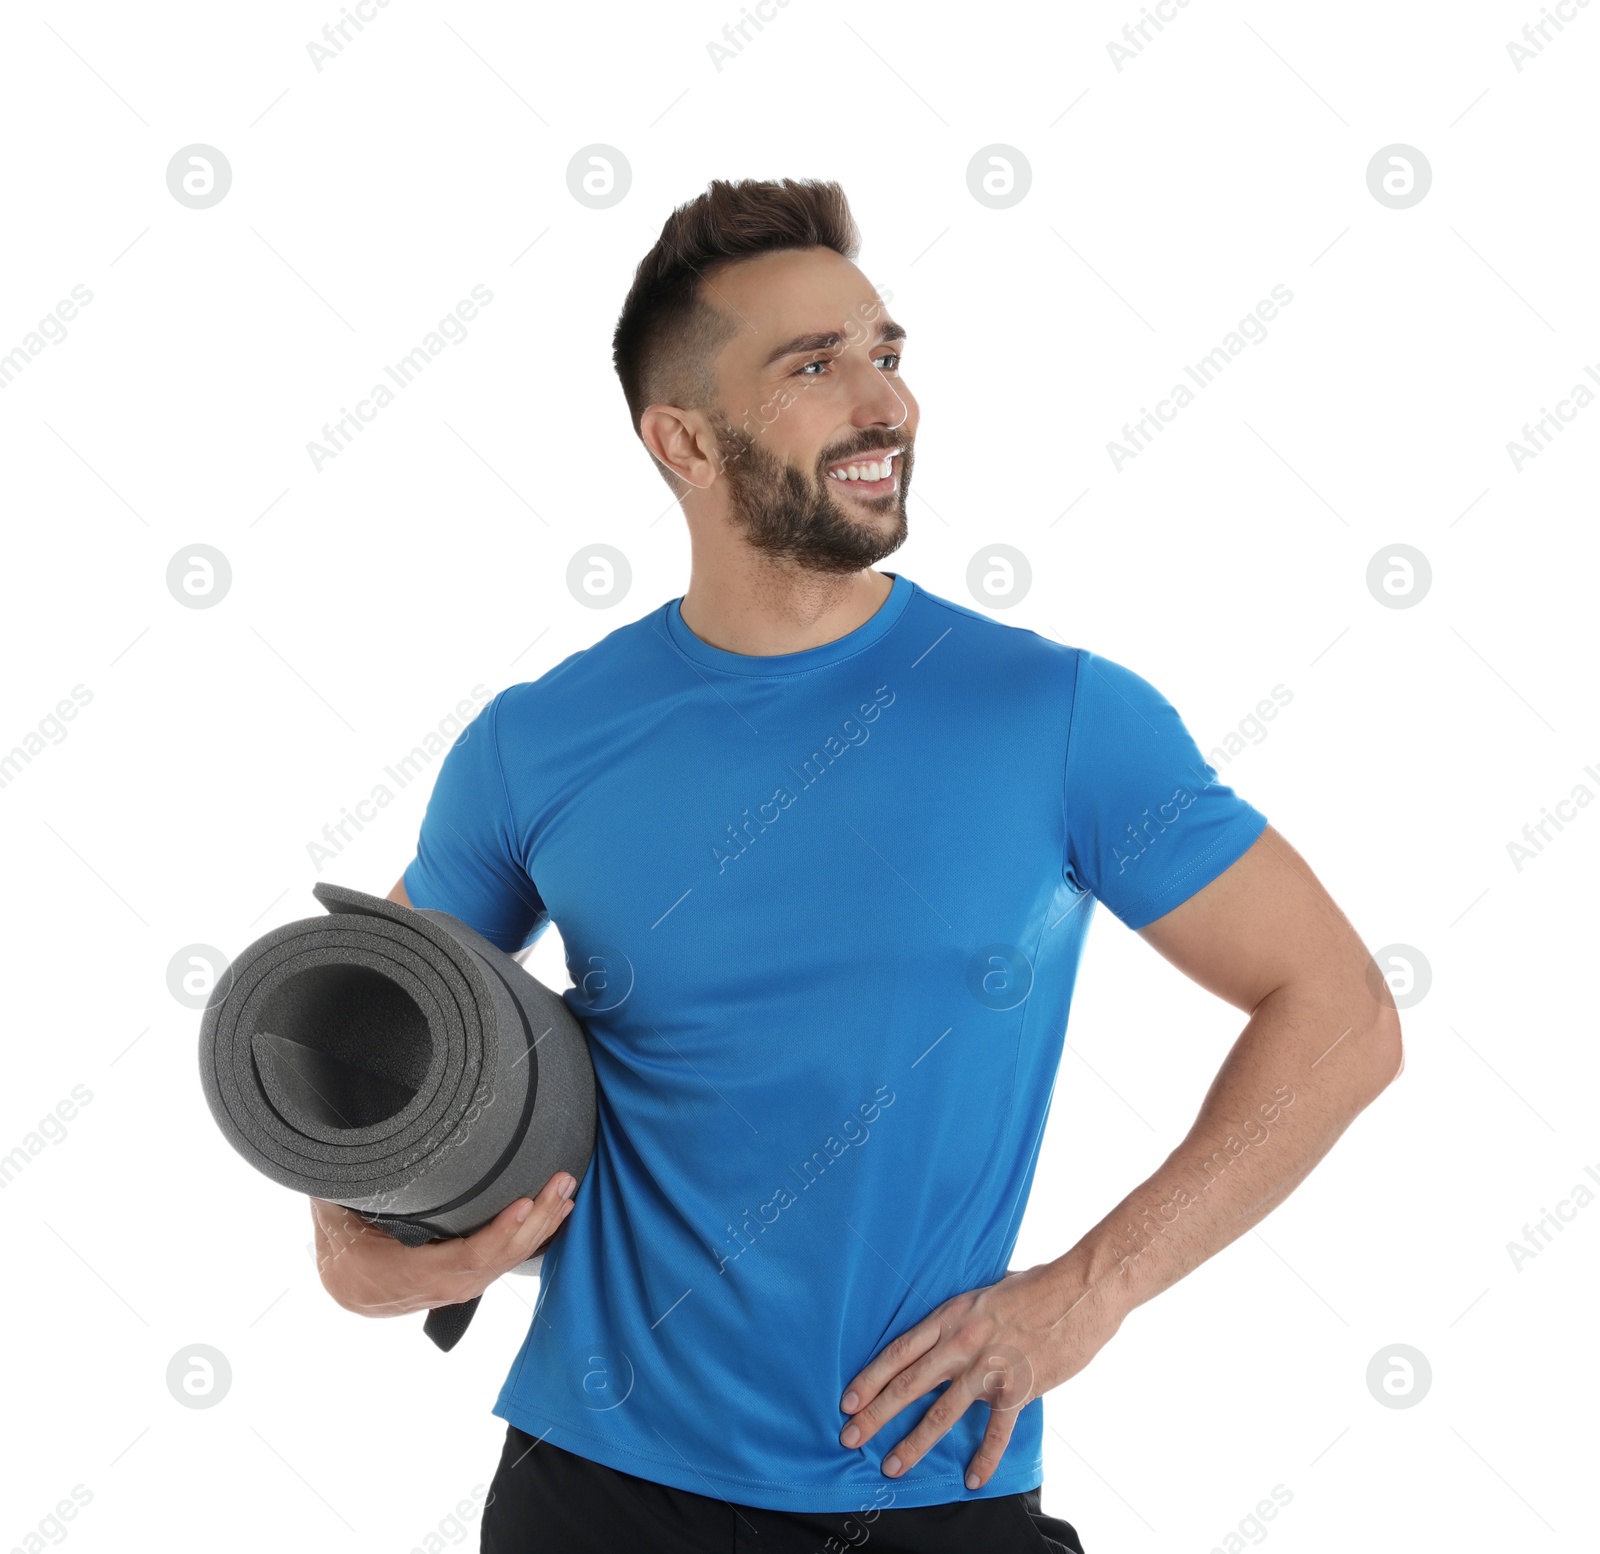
<point x="823" y="849"/>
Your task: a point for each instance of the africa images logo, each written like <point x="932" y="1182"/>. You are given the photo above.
<point x="739" y="838"/>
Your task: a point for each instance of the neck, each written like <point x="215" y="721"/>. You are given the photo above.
<point x="745" y="603"/>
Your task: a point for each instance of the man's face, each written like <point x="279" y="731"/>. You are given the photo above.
<point x="810" y="390"/>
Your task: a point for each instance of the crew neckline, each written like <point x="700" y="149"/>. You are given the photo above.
<point x="869" y="631"/>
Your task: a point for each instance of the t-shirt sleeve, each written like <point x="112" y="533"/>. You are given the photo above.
<point x="468" y="862"/>
<point x="1148" y="822"/>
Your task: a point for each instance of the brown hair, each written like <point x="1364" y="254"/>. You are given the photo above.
<point x="668" y="330"/>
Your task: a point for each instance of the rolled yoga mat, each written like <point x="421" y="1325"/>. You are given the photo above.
<point x="392" y="1059"/>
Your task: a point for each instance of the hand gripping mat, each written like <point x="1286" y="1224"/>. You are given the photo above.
<point x="391" y="1059"/>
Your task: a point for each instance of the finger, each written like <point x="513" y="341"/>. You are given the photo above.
<point x="996" y="1437"/>
<point x="510" y="1238"/>
<point x="1003" y="1378"/>
<point x="549" y="1212"/>
<point x="910" y="1346"/>
<point x="394" y="1278"/>
<point x="917" y="1380"/>
<point x="942" y="1413"/>
<point x="536" y="1232"/>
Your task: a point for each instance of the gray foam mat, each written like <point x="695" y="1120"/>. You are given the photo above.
<point x="392" y="1059"/>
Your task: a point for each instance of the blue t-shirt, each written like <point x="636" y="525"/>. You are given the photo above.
<point x="823" y="913"/>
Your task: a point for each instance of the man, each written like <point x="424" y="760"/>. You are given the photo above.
<point x="823" y="848"/>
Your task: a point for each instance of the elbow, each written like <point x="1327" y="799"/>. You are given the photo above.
<point x="1373" y="1010"/>
<point x="1383" y="1042"/>
<point x="1393" y="1046"/>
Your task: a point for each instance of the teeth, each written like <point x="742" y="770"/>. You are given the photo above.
<point x="870" y="471"/>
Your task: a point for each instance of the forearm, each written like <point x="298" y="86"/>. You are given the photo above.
<point x="1303" y="1068"/>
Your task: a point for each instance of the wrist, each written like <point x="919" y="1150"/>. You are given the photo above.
<point x="1094" y="1281"/>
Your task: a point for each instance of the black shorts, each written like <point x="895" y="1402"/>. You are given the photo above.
<point x="548" y="1501"/>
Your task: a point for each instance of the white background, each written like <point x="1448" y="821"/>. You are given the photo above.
<point x="367" y="598"/>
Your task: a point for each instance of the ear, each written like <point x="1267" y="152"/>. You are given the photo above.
<point x="683" y="442"/>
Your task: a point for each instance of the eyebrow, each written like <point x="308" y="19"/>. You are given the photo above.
<point x="888" y="331"/>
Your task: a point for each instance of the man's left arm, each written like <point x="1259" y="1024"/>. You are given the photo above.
<point x="1322" y="1042"/>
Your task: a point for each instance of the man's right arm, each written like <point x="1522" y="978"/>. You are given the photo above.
<point x="367" y="1271"/>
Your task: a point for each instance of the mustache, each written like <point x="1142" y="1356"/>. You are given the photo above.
<point x="831" y="459"/>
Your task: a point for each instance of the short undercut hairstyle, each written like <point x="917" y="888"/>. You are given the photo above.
<point x="670" y="329"/>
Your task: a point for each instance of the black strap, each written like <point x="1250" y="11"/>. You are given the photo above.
<point x="445" y="1324"/>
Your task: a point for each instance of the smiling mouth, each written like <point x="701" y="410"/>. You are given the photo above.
<point x="871" y="474"/>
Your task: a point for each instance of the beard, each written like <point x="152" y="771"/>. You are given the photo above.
<point x="792" y="516"/>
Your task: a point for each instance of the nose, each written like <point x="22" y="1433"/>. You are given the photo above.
<point x="877" y="402"/>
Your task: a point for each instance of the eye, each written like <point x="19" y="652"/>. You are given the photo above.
<point x="892" y="358"/>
